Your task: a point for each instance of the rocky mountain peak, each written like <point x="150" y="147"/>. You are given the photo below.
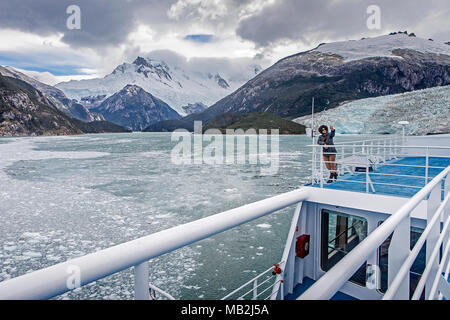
<point x="131" y="89"/>
<point x="134" y="108"/>
<point x="221" y="81"/>
<point x="177" y="82"/>
<point x="148" y="66"/>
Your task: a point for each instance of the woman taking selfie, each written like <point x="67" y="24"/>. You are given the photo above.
<point x="329" y="151"/>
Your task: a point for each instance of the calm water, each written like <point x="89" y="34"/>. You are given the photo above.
<point x="63" y="197"/>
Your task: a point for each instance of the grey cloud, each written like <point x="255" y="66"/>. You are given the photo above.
<point x="103" y="22"/>
<point x="313" y="21"/>
<point x="232" y="68"/>
<point x="106" y="23"/>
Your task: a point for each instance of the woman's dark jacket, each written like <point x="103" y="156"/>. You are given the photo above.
<point x="327" y="138"/>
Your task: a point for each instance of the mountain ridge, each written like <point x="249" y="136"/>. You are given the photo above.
<point x="178" y="84"/>
<point x="56" y="96"/>
<point x="25" y="111"/>
<point x="333" y="74"/>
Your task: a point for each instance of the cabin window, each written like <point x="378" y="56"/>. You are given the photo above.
<point x="340" y="234"/>
<point x="416" y="269"/>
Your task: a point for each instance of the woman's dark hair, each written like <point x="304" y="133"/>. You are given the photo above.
<point x="323" y="127"/>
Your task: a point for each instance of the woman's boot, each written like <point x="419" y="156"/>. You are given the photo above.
<point x="335" y="176"/>
<point x="330" y="179"/>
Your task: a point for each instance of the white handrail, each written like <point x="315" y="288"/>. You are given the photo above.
<point x="369" y="156"/>
<point x="334" y="279"/>
<point x="387" y="147"/>
<point x="427" y="270"/>
<point x="163" y="293"/>
<point x="439" y="272"/>
<point x="250" y="282"/>
<point x="390" y="138"/>
<point x="52" y="281"/>
<point x="246" y="284"/>
<point x="404" y="269"/>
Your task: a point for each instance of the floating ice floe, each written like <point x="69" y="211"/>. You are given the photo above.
<point x="264" y="226"/>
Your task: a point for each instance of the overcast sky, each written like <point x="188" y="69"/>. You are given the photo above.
<point x="34" y="35"/>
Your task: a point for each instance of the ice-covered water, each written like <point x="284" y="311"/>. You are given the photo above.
<point x="63" y="197"/>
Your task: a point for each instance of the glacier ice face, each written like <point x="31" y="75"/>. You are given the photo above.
<point x="427" y="111"/>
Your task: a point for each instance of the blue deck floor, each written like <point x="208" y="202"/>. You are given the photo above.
<point x="307" y="282"/>
<point x="356" y="182"/>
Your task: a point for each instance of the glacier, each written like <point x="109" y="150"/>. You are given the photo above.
<point x="427" y="111"/>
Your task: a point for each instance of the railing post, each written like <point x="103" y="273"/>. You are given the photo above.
<point x="313" y="167"/>
<point x="390" y="156"/>
<point x="141" y="282"/>
<point x="282" y="287"/>
<point x="427" y="159"/>
<point x="321" y="167"/>
<point x="433" y="203"/>
<point x="446" y="211"/>
<point x="255" y="289"/>
<point x="367" y="175"/>
<point x="399" y="249"/>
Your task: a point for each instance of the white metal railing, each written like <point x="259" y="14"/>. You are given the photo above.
<point x="350" y="151"/>
<point x="154" y="290"/>
<point x="265" y="285"/>
<point x="363" y="158"/>
<point x="55" y="280"/>
<point x="400" y="262"/>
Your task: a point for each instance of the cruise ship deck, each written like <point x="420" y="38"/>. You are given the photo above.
<point x="401" y="177"/>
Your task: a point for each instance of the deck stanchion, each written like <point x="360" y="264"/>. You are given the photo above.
<point x="321" y="167"/>
<point x="255" y="289"/>
<point x="427" y="159"/>
<point x="141" y="281"/>
<point x="398" y="253"/>
<point x="313" y="165"/>
<point x="367" y="175"/>
<point x="434" y="200"/>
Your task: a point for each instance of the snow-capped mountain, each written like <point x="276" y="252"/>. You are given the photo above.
<point x="178" y="84"/>
<point x="427" y="111"/>
<point x="342" y="71"/>
<point x="383" y="46"/>
<point x="336" y="73"/>
<point x="192" y="108"/>
<point x="135" y="109"/>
